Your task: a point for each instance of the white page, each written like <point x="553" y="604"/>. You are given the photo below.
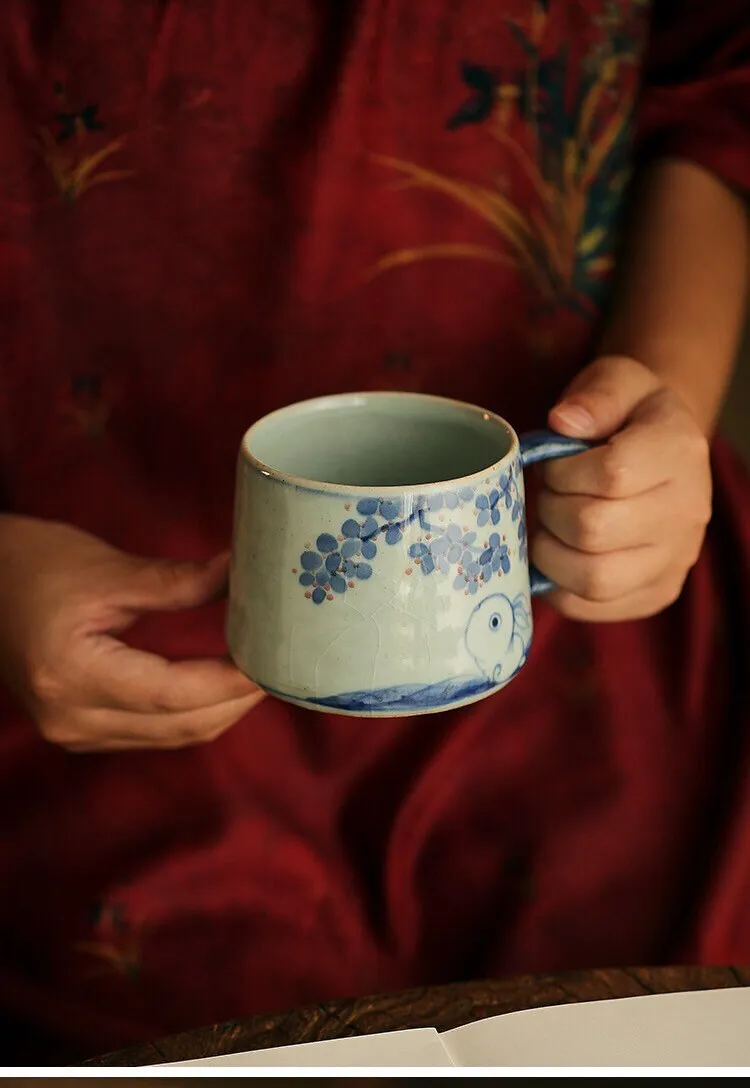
<point x="418" y="1047"/>
<point x="700" y="1028"/>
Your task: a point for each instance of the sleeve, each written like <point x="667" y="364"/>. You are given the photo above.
<point x="695" y="101"/>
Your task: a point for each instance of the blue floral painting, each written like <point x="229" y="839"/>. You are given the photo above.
<point x="459" y="533"/>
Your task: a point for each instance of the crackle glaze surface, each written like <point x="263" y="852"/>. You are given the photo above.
<point x="403" y="602"/>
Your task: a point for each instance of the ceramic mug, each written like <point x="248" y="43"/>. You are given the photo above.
<point x="379" y="561"/>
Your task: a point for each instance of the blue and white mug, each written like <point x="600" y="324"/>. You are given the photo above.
<point x="380" y="560"/>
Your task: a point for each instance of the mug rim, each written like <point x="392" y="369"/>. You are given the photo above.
<point x="304" y="483"/>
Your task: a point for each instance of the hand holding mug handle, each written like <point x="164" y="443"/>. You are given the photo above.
<point x="538" y="446"/>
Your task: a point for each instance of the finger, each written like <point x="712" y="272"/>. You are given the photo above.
<point x="168" y="585"/>
<point x="120" y="677"/>
<point x="604" y="577"/>
<point x="644" y="602"/>
<point x="653" y="448"/>
<point x="604" y="525"/>
<point x="104" y="730"/>
<point x="602" y="396"/>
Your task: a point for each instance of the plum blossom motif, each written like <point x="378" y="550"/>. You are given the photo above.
<point x="446" y="543"/>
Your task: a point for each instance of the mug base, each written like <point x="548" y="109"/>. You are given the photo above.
<point x="397" y="703"/>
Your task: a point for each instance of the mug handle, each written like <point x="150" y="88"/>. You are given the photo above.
<point x="539" y="446"/>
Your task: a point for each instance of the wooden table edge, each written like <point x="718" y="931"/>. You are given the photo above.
<point x="442" y="1007"/>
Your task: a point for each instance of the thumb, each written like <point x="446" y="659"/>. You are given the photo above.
<point x="168" y="584"/>
<point x="600" y="400"/>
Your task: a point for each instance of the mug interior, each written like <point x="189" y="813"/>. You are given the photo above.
<point x="379" y="440"/>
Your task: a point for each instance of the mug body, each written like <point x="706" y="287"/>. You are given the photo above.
<point x="379" y="561"/>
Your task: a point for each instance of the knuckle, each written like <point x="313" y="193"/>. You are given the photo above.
<point x="688" y="517"/>
<point x="703" y="512"/>
<point x="172" y="693"/>
<point x="668" y="594"/>
<point x="45" y="682"/>
<point x="179" y="573"/>
<point x="59" y="732"/>
<point x="687" y="548"/>
<point x="615" y="473"/>
<point x="168" y="576"/>
<point x="167" y="700"/>
<point x="570" y="605"/>
<point x="671" y="591"/>
<point x="163" y="576"/>
<point x="598" y="583"/>
<point x="591" y="527"/>
<point x="697" y="446"/>
<point x="173" y="571"/>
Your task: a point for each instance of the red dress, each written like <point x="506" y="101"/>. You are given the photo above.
<point x="211" y="209"/>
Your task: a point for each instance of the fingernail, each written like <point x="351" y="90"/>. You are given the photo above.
<point x="575" y="418"/>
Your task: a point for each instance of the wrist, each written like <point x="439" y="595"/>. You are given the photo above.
<point x="681" y="285"/>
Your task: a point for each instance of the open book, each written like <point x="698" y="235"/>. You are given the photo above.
<point x="701" y="1028"/>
